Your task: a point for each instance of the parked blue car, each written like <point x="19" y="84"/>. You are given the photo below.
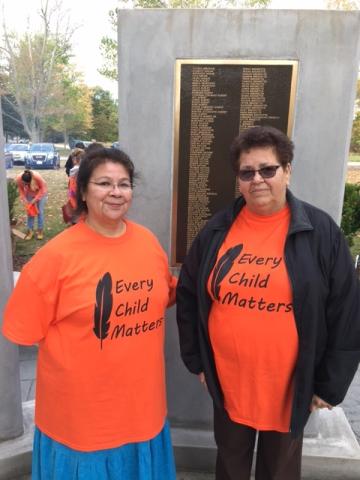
<point x="42" y="155"/>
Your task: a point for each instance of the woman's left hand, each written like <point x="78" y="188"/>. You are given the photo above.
<point x="318" y="402"/>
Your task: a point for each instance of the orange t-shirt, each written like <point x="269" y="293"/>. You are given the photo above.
<point x="96" y="306"/>
<point x="252" y="326"/>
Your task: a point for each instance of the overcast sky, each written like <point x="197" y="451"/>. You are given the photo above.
<point x="92" y="20"/>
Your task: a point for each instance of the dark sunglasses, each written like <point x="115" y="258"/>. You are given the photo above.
<point x="264" y="172"/>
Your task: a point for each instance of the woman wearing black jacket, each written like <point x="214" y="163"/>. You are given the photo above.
<point x="268" y="312"/>
<point x="69" y="162"/>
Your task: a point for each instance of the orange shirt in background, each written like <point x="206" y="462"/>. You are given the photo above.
<point x="96" y="306"/>
<point x="72" y="192"/>
<point x="36" y="190"/>
<point x="252" y="327"/>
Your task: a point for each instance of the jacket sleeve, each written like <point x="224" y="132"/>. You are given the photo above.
<point x="187" y="309"/>
<point x="342" y="355"/>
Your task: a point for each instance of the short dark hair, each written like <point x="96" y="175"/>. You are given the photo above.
<point x="80" y="145"/>
<point x="262" y="137"/>
<point x="94" y="146"/>
<point x="92" y="160"/>
<point x="26" y="176"/>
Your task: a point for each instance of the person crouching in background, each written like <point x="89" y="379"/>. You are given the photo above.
<point x="33" y="194"/>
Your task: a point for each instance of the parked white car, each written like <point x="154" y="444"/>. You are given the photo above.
<point x="19" y="152"/>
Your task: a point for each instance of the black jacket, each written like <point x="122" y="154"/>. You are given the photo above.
<point x="69" y="165"/>
<point x="326" y="302"/>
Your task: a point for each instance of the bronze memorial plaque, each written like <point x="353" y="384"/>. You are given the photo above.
<point x="214" y="101"/>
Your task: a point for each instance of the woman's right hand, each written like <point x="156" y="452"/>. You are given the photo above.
<point x="202" y="379"/>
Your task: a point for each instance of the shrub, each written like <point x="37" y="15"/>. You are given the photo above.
<point x="350" y="221"/>
<point x="12" y="192"/>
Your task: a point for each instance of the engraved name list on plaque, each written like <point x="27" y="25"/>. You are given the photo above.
<point x="214" y="101"/>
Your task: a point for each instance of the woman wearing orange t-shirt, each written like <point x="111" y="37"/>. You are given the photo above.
<point x="94" y="299"/>
<point x="268" y="312"/>
<point x="33" y="193"/>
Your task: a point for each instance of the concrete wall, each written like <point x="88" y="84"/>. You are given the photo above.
<point x="11" y="424"/>
<point x="327" y="46"/>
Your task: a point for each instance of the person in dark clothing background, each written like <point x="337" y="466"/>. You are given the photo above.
<point x="69" y="162"/>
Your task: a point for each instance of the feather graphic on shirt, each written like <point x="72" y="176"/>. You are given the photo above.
<point x="103" y="307"/>
<point x="223" y="267"/>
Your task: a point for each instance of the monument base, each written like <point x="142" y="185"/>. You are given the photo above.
<point x="15" y="455"/>
<point x="333" y="453"/>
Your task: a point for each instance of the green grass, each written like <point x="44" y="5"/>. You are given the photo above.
<point x="354" y="157"/>
<point x="53" y="223"/>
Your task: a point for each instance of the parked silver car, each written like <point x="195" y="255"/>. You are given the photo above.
<point x="42" y="155"/>
<point x="19" y="152"/>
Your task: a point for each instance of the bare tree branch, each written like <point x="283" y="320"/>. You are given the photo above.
<point x="33" y="64"/>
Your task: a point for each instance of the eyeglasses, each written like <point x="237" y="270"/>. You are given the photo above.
<point x="108" y="186"/>
<point x="264" y="172"/>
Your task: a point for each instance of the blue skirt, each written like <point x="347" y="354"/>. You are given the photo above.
<point x="150" y="460"/>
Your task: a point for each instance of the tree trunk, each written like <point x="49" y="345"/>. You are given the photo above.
<point x="66" y="138"/>
<point x="34" y="136"/>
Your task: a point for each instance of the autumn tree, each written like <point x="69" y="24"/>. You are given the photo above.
<point x="108" y="44"/>
<point x="355" y="133"/>
<point x="195" y="3"/>
<point x="70" y="106"/>
<point x="343" y="4"/>
<point x="108" y="49"/>
<point x="105" y="116"/>
<point x="31" y="66"/>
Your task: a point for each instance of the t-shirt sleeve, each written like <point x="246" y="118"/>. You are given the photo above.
<point x="29" y="312"/>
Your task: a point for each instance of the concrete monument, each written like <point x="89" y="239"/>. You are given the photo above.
<point x="325" y="46"/>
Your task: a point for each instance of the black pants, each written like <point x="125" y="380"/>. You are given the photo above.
<point x="278" y="454"/>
